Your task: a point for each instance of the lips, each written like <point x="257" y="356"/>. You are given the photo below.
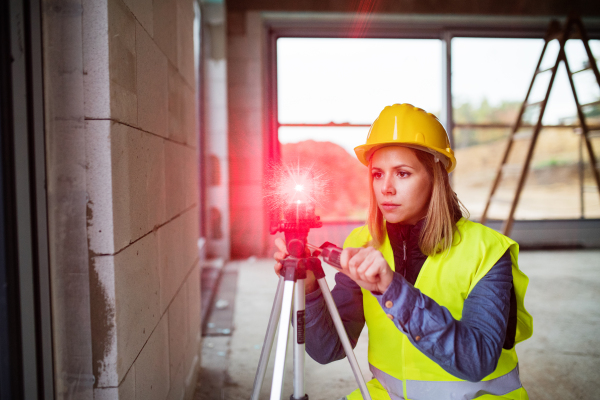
<point x="389" y="206"/>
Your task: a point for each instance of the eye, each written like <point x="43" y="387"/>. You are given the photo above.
<point x="403" y="174"/>
<point x="377" y="175"/>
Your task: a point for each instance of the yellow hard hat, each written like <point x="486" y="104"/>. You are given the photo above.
<point x="409" y="126"/>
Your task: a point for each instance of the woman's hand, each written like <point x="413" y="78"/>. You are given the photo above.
<point x="310" y="283"/>
<point x="367" y="267"/>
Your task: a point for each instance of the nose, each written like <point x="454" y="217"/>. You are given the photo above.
<point x="388" y="186"/>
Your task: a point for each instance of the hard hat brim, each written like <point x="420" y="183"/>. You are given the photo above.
<point x="365" y="151"/>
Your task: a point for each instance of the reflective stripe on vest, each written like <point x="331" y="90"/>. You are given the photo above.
<point x="447" y="390"/>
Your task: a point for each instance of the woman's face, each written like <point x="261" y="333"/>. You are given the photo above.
<point x="401" y="184"/>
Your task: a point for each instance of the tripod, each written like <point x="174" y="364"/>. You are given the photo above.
<point x="291" y="285"/>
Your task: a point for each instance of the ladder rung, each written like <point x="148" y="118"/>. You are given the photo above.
<point x="522" y="135"/>
<point x="541" y="71"/>
<point x="590" y="189"/>
<point x="593" y="103"/>
<point x="593" y="132"/>
<point x="537" y="103"/>
<point x="581" y="70"/>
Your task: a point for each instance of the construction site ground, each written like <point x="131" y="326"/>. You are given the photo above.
<point x="560" y="361"/>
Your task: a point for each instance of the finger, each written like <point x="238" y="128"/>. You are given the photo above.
<point x="277" y="268"/>
<point x="378" y="268"/>
<point x="346" y="255"/>
<point x="366" y="265"/>
<point x="372" y="274"/>
<point x="357" y="260"/>
<point x="280" y="243"/>
<point x="278" y="256"/>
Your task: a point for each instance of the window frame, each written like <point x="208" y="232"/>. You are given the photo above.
<point x="445" y="28"/>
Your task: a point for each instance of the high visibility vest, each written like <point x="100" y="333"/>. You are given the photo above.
<point x="401" y="370"/>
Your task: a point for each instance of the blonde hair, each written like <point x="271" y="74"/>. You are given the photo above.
<point x="442" y="213"/>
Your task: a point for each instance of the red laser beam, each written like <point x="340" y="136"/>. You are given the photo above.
<point x="289" y="186"/>
<point x="362" y="19"/>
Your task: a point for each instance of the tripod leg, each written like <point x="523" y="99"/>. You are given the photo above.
<point x="339" y="326"/>
<point x="268" y="343"/>
<point x="284" y="327"/>
<point x="299" y="307"/>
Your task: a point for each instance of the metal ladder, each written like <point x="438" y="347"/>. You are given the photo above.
<point x="572" y="29"/>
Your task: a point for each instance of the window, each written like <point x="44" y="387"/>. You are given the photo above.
<point x="490" y="78"/>
<point x="331" y="90"/>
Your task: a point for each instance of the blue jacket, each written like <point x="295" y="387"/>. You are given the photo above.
<point x="486" y="315"/>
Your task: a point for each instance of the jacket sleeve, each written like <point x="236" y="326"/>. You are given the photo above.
<point x="468" y="348"/>
<point x="322" y="341"/>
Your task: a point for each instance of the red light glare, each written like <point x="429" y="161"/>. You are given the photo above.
<point x="291" y="185"/>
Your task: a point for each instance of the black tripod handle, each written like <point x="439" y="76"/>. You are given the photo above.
<point x="331" y="254"/>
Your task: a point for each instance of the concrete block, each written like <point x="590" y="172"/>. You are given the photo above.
<point x="242" y="47"/>
<point x="152" y="366"/>
<point x="244" y="72"/>
<point x="178" y="341"/>
<point x="249" y="223"/>
<point x="254" y="26"/>
<point x="143" y="12"/>
<point x="122" y="63"/>
<point x="192" y="185"/>
<point x="155" y="183"/>
<point x="191" y="226"/>
<point x="190" y="121"/>
<point x="99" y="187"/>
<point x="138" y="183"/>
<point x="125" y="390"/>
<point x="250" y="195"/>
<point x="185" y="41"/>
<point x="177" y="106"/>
<point x="171" y="251"/>
<point x="152" y="84"/>
<point x="137" y="288"/>
<point x="245" y="142"/>
<point x="174" y="178"/>
<point x="194" y="309"/>
<point x="104" y="325"/>
<point x="96" y="76"/>
<point x="191" y="379"/>
<point x="245" y="97"/>
<point x="215" y="71"/>
<point x="165" y="27"/>
<point x="216" y="93"/>
<point x="216" y="120"/>
<point x="245" y="170"/>
<point x="123" y="105"/>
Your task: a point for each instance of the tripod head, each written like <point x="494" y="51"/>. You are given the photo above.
<point x="296" y="193"/>
<point x="297" y="221"/>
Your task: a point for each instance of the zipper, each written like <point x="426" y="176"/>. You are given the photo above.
<point x="404" y="261"/>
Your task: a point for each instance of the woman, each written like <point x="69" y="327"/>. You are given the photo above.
<point x="442" y="296"/>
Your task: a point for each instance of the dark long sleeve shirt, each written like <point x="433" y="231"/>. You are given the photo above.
<point x="468" y="348"/>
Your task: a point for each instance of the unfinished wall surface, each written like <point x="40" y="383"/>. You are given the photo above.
<point x="215" y="125"/>
<point x="138" y="152"/>
<point x="247" y="151"/>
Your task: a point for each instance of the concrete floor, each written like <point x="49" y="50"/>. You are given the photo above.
<point x="560" y="361"/>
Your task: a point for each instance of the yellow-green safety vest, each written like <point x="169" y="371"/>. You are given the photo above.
<point x="401" y="370"/>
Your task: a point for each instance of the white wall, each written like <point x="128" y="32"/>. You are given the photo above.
<point x="141" y="160"/>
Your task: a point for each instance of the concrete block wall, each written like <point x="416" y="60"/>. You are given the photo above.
<point x="143" y="198"/>
<point x="215" y="127"/>
<point x="247" y="154"/>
